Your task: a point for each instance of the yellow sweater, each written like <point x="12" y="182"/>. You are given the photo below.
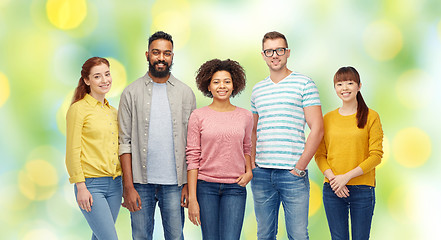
<point x="91" y="140"/>
<point x="345" y="146"/>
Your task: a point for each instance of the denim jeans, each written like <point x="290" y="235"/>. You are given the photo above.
<point x="222" y="209"/>
<point x="172" y="214"/>
<point x="360" y="204"/>
<point x="274" y="186"/>
<point x="107" y="195"/>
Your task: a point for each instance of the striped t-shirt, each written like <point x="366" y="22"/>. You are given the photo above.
<point x="280" y="129"/>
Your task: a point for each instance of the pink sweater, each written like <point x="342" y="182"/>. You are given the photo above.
<point x="217" y="143"/>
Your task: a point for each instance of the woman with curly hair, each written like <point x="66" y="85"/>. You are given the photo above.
<point x="218" y="153"/>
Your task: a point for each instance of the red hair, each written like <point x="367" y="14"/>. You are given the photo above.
<point x="82" y="88"/>
<point x="350" y="74"/>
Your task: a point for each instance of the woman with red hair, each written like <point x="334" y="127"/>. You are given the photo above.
<point x="92" y="149"/>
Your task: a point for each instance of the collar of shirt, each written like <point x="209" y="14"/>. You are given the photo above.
<point x="171" y="79"/>
<point x="93" y="102"/>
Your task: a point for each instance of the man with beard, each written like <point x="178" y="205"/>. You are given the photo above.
<point x="153" y="115"/>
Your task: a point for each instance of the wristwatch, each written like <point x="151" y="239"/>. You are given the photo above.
<point x="300" y="172"/>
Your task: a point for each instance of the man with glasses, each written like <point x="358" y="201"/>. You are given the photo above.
<point x="282" y="104"/>
<point x="153" y="115"/>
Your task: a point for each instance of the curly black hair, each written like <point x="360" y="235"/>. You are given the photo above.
<point x="209" y="68"/>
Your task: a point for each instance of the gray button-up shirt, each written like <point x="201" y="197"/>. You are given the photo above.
<point x="133" y="119"/>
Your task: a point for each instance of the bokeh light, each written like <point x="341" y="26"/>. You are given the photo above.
<point x="40" y="234"/>
<point x="412" y="147"/>
<point x="66" y="14"/>
<point x="119" y="78"/>
<point x="400" y="204"/>
<point x="175" y="19"/>
<point x="4" y="89"/>
<point x="315" y="198"/>
<point x="383" y="40"/>
<point x="38" y="180"/>
<point x="413" y="89"/>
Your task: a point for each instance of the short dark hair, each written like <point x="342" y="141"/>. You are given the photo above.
<point x="160" y="35"/>
<point x="274" y="35"/>
<point x="208" y="69"/>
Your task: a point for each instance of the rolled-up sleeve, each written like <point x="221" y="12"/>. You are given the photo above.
<point x="193" y="149"/>
<point x="125" y="124"/>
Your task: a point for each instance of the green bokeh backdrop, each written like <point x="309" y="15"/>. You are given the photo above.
<point x="395" y="45"/>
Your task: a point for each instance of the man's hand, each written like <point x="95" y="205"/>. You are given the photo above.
<point x="132" y="201"/>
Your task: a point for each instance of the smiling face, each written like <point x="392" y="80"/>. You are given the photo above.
<point x="99" y="81"/>
<point x="221" y="85"/>
<point x="160" y="58"/>
<point x="275" y="62"/>
<point x="347" y="90"/>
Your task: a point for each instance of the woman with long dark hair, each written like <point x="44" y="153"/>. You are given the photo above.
<point x="347" y="156"/>
<point x="92" y="149"/>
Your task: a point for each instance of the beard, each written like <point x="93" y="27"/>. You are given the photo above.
<point x="159" y="73"/>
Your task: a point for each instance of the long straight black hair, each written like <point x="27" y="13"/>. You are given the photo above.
<point x="350" y="74"/>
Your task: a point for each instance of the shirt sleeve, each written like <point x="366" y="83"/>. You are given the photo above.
<point x="193" y="150"/>
<point x="375" y="144"/>
<point x="253" y="104"/>
<point x="247" y="137"/>
<point x="74" y="126"/>
<point x="125" y="124"/>
<point x="310" y="94"/>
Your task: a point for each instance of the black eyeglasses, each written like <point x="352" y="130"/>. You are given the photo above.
<point x="270" y="52"/>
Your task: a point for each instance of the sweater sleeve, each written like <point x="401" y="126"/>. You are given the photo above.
<point x="193" y="150"/>
<point x="321" y="157"/>
<point x="247" y="137"/>
<point x="375" y="144"/>
<point x="74" y="126"/>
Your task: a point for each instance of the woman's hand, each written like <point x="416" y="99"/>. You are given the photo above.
<point x="339" y="182"/>
<point x="244" y="179"/>
<point x="193" y="212"/>
<point x="184" y="196"/>
<point x="343" y="193"/>
<point x="84" y="198"/>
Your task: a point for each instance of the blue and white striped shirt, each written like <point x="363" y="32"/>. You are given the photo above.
<point x="280" y="129"/>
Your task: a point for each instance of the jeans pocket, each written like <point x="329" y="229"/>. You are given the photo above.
<point x="363" y="187"/>
<point x="292" y="174"/>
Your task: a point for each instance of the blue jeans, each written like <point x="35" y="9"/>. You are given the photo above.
<point x="106" y="194"/>
<point x="360" y="203"/>
<point x="274" y="186"/>
<point x="172" y="214"/>
<point x="222" y="209"/>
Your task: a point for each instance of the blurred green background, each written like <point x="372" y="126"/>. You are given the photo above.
<point x="395" y="45"/>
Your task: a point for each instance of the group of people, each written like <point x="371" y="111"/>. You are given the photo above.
<point x="175" y="156"/>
